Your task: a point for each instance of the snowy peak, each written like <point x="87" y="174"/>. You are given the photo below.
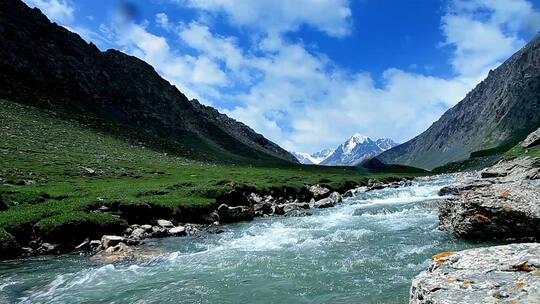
<point x="323" y="154"/>
<point x="386" y="143"/>
<point x="353" y="151"/>
<point x="303" y="158"/>
<point x="356" y="139"/>
<point x="312" y="159"/>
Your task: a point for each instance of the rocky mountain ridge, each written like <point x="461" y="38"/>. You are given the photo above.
<point x="505" y="107"/>
<point x="45" y="65"/>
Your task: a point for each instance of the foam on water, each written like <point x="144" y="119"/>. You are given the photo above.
<point x="368" y="247"/>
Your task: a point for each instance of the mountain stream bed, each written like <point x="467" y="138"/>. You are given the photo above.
<point x="367" y="249"/>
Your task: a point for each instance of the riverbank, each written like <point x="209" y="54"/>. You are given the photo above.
<point x="242" y="203"/>
<point x="56" y="172"/>
<point x="366" y="249"/>
<point x="499" y="203"/>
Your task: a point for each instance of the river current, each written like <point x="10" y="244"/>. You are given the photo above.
<point x="367" y="249"/>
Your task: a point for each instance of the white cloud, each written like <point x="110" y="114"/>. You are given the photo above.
<point x="220" y="48"/>
<point x="484" y="32"/>
<point x="191" y="74"/>
<point x="329" y="16"/>
<point x="163" y="21"/>
<point x="303" y="100"/>
<point x="58" y="10"/>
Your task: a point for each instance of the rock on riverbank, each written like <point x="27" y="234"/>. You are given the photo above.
<point x="498" y="274"/>
<point x="501" y="202"/>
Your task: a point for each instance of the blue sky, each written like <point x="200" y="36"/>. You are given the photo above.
<point x="310" y="73"/>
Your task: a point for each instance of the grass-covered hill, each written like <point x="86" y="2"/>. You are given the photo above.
<point x="485" y="158"/>
<point x="45" y="65"/>
<point x="55" y="166"/>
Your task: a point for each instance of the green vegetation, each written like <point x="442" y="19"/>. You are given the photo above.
<point x="477" y="160"/>
<point x="518" y="151"/>
<point x="6" y="240"/>
<point x="484" y="158"/>
<point x="54" y="166"/>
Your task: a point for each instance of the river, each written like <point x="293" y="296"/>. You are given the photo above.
<point x="365" y="250"/>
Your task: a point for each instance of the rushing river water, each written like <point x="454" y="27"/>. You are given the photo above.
<point x="365" y="250"/>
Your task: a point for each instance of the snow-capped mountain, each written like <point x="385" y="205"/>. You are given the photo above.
<point x="312" y="159"/>
<point x="352" y="152"/>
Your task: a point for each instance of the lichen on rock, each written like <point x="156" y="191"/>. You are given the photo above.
<point x="497" y="274"/>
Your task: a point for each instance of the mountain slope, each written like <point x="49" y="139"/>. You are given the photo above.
<point x="45" y="65"/>
<point x="503" y="108"/>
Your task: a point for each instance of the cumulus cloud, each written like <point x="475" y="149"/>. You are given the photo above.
<point x="191" y="74"/>
<point x="332" y="17"/>
<point x="304" y="102"/>
<point x="58" y="10"/>
<point x="484" y="32"/>
<point x="301" y="99"/>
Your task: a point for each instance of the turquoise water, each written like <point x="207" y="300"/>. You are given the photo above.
<point x="365" y="250"/>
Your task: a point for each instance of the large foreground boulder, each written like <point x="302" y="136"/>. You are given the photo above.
<point x="498" y="274"/>
<point x="502" y="212"/>
<point x="235" y="214"/>
<point x="501" y="202"/>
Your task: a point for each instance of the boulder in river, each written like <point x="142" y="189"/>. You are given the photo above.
<point x="318" y="191"/>
<point x="499" y="212"/>
<point x="290" y="207"/>
<point x="177" y="231"/>
<point x="47" y="248"/>
<point x="146" y="227"/>
<point x="122" y="253"/>
<point x="138" y="234"/>
<point x="165" y="223"/>
<point x="328" y="202"/>
<point x="158" y="232"/>
<point x="235" y="214"/>
<point x="503" y="203"/>
<point x="355" y="191"/>
<point x="459" y="188"/>
<point x="263" y="208"/>
<point x="497" y="274"/>
<point x="111" y="240"/>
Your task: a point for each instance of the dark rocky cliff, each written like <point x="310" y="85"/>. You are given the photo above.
<point x="503" y="108"/>
<point x="45" y="65"/>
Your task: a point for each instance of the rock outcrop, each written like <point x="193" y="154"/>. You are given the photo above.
<point x="503" y="108"/>
<point x="499" y="212"/>
<point x="498" y="274"/>
<point x="532" y="139"/>
<point x="501" y="203"/>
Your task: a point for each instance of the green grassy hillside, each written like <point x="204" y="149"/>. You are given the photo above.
<point x="54" y="165"/>
<point x="485" y="158"/>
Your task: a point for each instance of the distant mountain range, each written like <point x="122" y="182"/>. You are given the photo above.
<point x="352" y="152"/>
<point x="502" y="109"/>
